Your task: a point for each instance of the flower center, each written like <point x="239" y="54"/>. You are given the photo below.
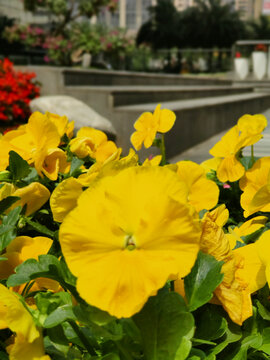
<point x="130" y="243"/>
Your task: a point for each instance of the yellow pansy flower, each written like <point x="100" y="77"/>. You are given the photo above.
<point x="263" y="250"/>
<point x="94" y="143"/>
<point x="233" y="293"/>
<point x="51" y="162"/>
<point x="21" y="249"/>
<point x="252" y="124"/>
<point x="34" y="196"/>
<point x="28" y="343"/>
<point x="245" y="229"/>
<point x="211" y="164"/>
<point x="65" y="195"/>
<point x="154" y="161"/>
<point x="62" y="124"/>
<point x="230" y="169"/>
<point x="148" y="124"/>
<point x="200" y="192"/>
<point x="256" y="188"/>
<point x="36" y="142"/>
<point x="127" y="235"/>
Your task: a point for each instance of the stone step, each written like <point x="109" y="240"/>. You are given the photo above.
<point x="197" y="120"/>
<point x="129" y="95"/>
<point x="76" y="77"/>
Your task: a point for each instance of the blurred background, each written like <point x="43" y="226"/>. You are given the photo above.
<point x="172" y="36"/>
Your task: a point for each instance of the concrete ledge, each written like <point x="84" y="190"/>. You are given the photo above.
<point x="130" y="95"/>
<point x="105" y="77"/>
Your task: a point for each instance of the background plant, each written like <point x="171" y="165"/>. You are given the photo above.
<point x="16" y="90"/>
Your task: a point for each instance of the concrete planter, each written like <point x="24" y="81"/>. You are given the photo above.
<point x="241" y="66"/>
<point x="259" y="62"/>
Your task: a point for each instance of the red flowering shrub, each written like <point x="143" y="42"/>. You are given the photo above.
<point x="16" y="91"/>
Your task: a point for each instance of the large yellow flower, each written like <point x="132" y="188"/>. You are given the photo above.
<point x="128" y="234"/>
<point x="65" y="196"/>
<point x="149" y="124"/>
<point x="28" y="344"/>
<point x="256" y="187"/>
<point x="200" y="192"/>
<point x="246" y="132"/>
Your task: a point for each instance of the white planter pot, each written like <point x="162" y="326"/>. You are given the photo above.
<point x="241" y="66"/>
<point x="86" y="60"/>
<point x="259" y="62"/>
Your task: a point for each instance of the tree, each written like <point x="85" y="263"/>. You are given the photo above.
<point x="211" y="24"/>
<point x="261" y="28"/>
<point x="161" y="30"/>
<point x="67" y="11"/>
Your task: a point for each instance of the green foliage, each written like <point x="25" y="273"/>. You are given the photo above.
<point x="166" y="327"/>
<point x="8" y="228"/>
<point x="203" y="279"/>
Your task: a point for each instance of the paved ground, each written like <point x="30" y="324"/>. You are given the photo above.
<point x="200" y="152"/>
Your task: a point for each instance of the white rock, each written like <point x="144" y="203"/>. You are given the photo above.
<point x="74" y="109"/>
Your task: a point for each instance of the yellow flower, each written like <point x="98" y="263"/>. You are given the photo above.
<point x="263" y="249"/>
<point x="149" y="124"/>
<point x="256" y="187"/>
<point x="245" y="229"/>
<point x="52" y="162"/>
<point x="94" y="143"/>
<point x="62" y="124"/>
<point x="128" y="234"/>
<point x="155" y="161"/>
<point x="230" y="169"/>
<point x="37" y="142"/>
<point x="21" y="249"/>
<point x="252" y="124"/>
<point x="233" y="293"/>
<point x="200" y="192"/>
<point x="211" y="164"/>
<point x="34" y="196"/>
<point x="28" y="344"/>
<point x="65" y="195"/>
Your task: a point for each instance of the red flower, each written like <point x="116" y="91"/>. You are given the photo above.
<point x="16" y="91"/>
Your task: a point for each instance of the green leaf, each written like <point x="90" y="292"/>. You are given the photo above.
<point x="75" y="165"/>
<point x="164" y="322"/>
<point x="18" y="167"/>
<point x="12" y="217"/>
<point x="216" y="323"/>
<point x="7" y="202"/>
<point x="248" y="161"/>
<point x="265" y="314"/>
<point x="40" y="228"/>
<point x="8" y="230"/>
<point x="47" y="266"/>
<point x="61" y="314"/>
<point x="203" y="279"/>
<point x="266" y="341"/>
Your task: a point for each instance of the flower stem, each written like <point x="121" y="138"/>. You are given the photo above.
<point x="163" y="150"/>
<point x="252" y="154"/>
<point x="83" y="338"/>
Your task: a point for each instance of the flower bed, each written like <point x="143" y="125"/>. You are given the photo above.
<point x="16" y="90"/>
<point x="105" y="257"/>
